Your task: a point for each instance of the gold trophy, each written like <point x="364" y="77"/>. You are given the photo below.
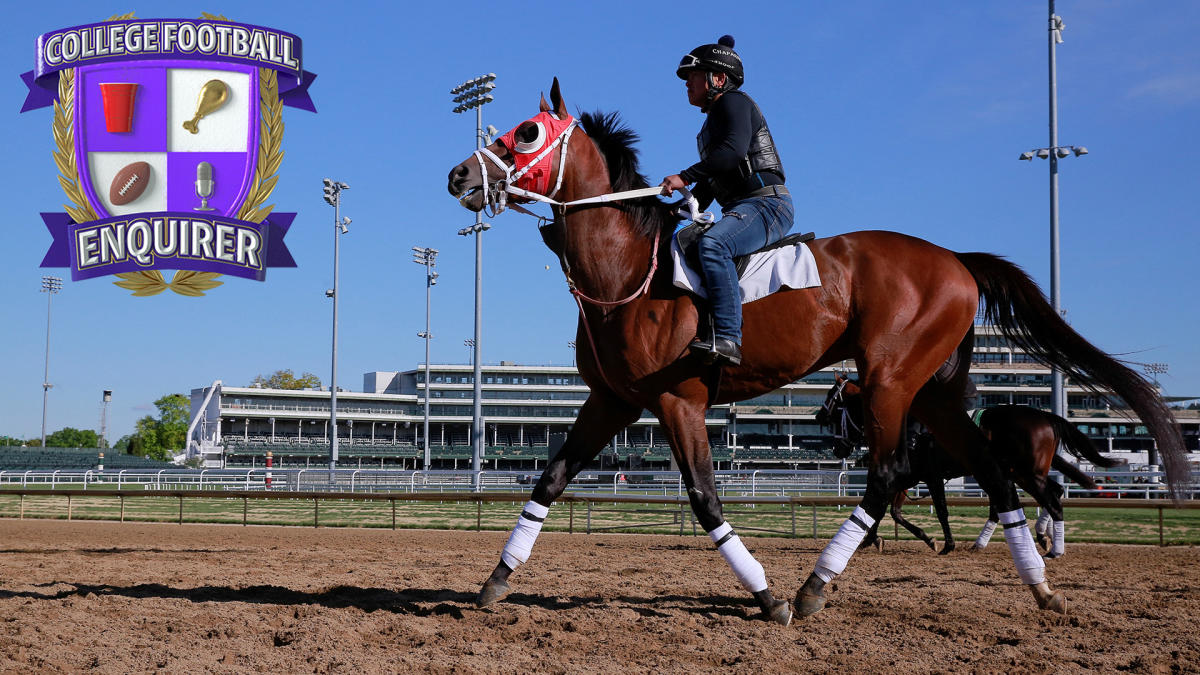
<point x="213" y="95"/>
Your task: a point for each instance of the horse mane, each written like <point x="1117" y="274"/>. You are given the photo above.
<point x="615" y="141"/>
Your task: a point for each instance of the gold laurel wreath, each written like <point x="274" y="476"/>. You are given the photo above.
<point x="270" y="157"/>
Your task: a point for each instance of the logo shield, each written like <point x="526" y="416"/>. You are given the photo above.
<point x="157" y="136"/>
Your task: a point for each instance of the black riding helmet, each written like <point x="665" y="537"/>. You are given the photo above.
<point x="718" y="58"/>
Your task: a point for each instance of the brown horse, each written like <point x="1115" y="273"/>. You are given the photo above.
<point x="1024" y="440"/>
<point x="897" y="305"/>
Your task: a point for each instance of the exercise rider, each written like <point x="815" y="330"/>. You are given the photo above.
<point x="740" y="169"/>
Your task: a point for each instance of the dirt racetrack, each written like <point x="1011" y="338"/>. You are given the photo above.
<point x="195" y="598"/>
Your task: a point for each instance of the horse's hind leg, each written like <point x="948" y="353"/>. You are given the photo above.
<point x="600" y="418"/>
<point x="957" y="434"/>
<point x="683" y="422"/>
<point x="898" y="516"/>
<point x="1048" y="494"/>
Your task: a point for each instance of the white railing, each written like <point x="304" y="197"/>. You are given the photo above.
<point x="737" y="483"/>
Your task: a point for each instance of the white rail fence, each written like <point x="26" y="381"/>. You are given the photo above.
<point x="740" y="483"/>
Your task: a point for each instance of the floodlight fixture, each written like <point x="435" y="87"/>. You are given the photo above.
<point x="1043" y="152"/>
<point x="1062" y="152"/>
<point x="1079" y="150"/>
<point x="1026" y="156"/>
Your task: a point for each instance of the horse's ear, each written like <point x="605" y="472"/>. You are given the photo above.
<point x="543" y="106"/>
<point x="556" y="98"/>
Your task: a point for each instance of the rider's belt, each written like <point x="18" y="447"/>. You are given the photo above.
<point x="770" y="191"/>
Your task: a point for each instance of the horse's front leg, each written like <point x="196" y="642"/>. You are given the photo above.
<point x="600" y="418"/>
<point x="683" y="421"/>
<point x="937" y="492"/>
<point x="884" y="419"/>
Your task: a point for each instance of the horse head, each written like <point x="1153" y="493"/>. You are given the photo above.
<point x="524" y="158"/>
<point x="842" y="413"/>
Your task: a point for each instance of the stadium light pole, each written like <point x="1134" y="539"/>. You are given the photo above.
<point x="476" y="93"/>
<point x="333" y="196"/>
<point x="428" y="258"/>
<point x="50" y="286"/>
<point x="1054" y="152"/>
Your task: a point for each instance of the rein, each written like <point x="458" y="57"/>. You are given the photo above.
<point x="496" y="196"/>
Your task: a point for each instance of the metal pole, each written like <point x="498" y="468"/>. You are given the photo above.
<point x="475" y="94"/>
<point x="1056" y="383"/>
<point x="50" y="286"/>
<point x="477" y="409"/>
<point x="333" y="448"/>
<point x="428" y="287"/>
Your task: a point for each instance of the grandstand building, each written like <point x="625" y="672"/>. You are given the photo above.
<point x="528" y="409"/>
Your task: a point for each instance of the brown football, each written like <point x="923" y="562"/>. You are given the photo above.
<point x="129" y="183"/>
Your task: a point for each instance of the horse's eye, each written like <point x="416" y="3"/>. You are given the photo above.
<point x="530" y="137"/>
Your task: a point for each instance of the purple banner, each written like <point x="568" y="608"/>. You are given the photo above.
<point x="168" y="240"/>
<point x="148" y="39"/>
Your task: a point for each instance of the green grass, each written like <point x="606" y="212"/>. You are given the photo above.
<point x="1125" y="525"/>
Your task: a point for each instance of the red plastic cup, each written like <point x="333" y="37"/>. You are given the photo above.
<point x="118" y="105"/>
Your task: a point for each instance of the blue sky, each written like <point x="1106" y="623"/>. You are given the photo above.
<point x="902" y="116"/>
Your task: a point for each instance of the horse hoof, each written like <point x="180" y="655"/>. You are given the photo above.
<point x="810" y="599"/>
<point x="1052" y="555"/>
<point x="946" y="548"/>
<point x="975" y="549"/>
<point x="781" y="613"/>
<point x="932" y="546"/>
<point x="1054" y="601"/>
<point x="491" y="592"/>
<point x="809" y="603"/>
<point x="1041" y="540"/>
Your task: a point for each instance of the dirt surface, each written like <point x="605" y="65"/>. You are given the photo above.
<point x="144" y="597"/>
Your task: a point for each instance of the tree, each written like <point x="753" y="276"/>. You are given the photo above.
<point x="286" y="379"/>
<point x="69" y="437"/>
<point x="9" y="440"/>
<point x="157" y="438"/>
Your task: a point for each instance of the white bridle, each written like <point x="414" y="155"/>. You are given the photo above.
<point x="506" y="186"/>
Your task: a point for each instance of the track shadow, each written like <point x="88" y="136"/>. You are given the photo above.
<point x="118" y="551"/>
<point x="414" y="601"/>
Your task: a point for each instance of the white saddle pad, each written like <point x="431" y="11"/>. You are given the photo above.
<point x="786" y="267"/>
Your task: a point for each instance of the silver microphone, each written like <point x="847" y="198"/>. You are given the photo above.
<point x="204" y="185"/>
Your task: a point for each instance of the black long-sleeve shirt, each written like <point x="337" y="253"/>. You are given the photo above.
<point x="731" y="124"/>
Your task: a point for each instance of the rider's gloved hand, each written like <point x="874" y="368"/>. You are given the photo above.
<point x="672" y="183"/>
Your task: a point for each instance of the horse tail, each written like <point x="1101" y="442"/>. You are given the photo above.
<point x="1078" y="444"/>
<point x="1014" y="304"/>
<point x="1073" y="472"/>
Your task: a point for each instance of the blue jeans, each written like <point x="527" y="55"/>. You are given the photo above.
<point x="746" y="226"/>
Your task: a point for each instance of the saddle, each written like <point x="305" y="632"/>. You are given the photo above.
<point x="689" y="236"/>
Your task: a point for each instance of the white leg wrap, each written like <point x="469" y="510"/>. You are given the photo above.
<point x="520" y="542"/>
<point x="1043" y="523"/>
<point x="837" y="553"/>
<point x="1030" y="566"/>
<point x="745" y="567"/>
<point x="985" y="535"/>
<point x="1059" y="543"/>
